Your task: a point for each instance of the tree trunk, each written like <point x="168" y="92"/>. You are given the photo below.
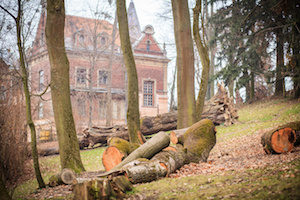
<point x="203" y="52"/>
<point x="172" y="100"/>
<point x="279" y="64"/>
<point x="30" y="122"/>
<point x="281" y="139"/>
<point x="66" y="176"/>
<point x="133" y="115"/>
<point x="185" y="63"/>
<point x="3" y="191"/>
<point x="109" y="85"/>
<point x="212" y="56"/>
<point x="252" y="81"/>
<point x="60" y="87"/>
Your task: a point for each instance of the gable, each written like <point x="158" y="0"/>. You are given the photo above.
<point x="148" y="45"/>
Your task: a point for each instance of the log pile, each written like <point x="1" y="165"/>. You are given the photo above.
<point x="151" y="160"/>
<point x="281" y="139"/>
<point x="220" y="108"/>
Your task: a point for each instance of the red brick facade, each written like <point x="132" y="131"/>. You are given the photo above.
<point x="151" y="63"/>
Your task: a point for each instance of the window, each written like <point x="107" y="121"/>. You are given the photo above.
<point x="102" y="108"/>
<point x="41" y="110"/>
<point x="148" y="45"/>
<point x="148" y="93"/>
<point x="41" y="80"/>
<point x="81" y="39"/>
<point x="81" y="76"/>
<point x="103" y="41"/>
<point x="81" y="107"/>
<point x="103" y="77"/>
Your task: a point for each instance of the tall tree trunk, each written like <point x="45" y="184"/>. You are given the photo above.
<point x="133" y="115"/>
<point x="296" y="52"/>
<point x="30" y="122"/>
<point x="231" y="87"/>
<point x="246" y="84"/>
<point x="90" y="80"/>
<point x="203" y="52"/>
<point x="185" y="64"/>
<point x="279" y="64"/>
<point x="60" y="87"/>
<point x="109" y="85"/>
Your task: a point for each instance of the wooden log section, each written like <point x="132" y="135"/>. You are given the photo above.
<point x="281" y="139"/>
<point x="158" y="142"/>
<point x="118" y="150"/>
<point x="198" y="141"/>
<point x="66" y="176"/>
<point x="102" y="188"/>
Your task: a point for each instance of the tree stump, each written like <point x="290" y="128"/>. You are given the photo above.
<point x="281" y="139"/>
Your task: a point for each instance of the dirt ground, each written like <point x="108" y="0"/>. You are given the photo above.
<point x="237" y="154"/>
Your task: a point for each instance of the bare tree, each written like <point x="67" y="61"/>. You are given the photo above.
<point x="133" y="114"/>
<point x="185" y="63"/>
<point x="60" y="87"/>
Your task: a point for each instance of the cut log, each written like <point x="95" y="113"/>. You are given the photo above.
<point x="66" y="176"/>
<point x="281" y="139"/>
<point x="102" y="188"/>
<point x="118" y="150"/>
<point x="147" y="150"/>
<point x="198" y="141"/>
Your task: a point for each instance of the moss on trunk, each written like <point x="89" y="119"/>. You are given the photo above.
<point x="133" y="115"/>
<point x="60" y="87"/>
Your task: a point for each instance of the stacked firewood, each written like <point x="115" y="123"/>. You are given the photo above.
<point x="221" y="108"/>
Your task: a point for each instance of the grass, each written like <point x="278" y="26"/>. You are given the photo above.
<point x="267" y="183"/>
<point x="273" y="182"/>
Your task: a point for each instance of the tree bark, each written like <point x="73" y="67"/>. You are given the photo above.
<point x="185" y="63"/>
<point x="24" y="74"/>
<point x="60" y="87"/>
<point x="66" y="176"/>
<point x="281" y="139"/>
<point x="133" y="115"/>
<point x="279" y="64"/>
<point x="3" y="191"/>
<point x="203" y="52"/>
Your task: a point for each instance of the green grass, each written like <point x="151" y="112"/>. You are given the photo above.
<point x="267" y="183"/>
<point x="273" y="182"/>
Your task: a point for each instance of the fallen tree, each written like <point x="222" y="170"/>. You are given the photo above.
<point x="153" y="160"/>
<point x="66" y="176"/>
<point x="281" y="139"/>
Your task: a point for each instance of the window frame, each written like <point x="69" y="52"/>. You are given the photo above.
<point x="81" y="84"/>
<point x="147" y="93"/>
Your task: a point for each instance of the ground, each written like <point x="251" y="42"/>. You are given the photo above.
<point x="237" y="167"/>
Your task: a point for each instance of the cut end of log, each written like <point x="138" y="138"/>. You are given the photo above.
<point x="68" y="176"/>
<point x="173" y="138"/>
<point x="283" y="140"/>
<point x="170" y="148"/>
<point x="111" y="157"/>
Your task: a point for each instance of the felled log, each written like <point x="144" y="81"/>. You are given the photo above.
<point x="281" y="139"/>
<point x="117" y="150"/>
<point x="162" y="122"/>
<point x="99" y="135"/>
<point x="66" y="176"/>
<point x="102" y="188"/>
<point x="147" y="150"/>
<point x="198" y="141"/>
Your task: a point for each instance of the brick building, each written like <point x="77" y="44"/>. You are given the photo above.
<point x="88" y="44"/>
